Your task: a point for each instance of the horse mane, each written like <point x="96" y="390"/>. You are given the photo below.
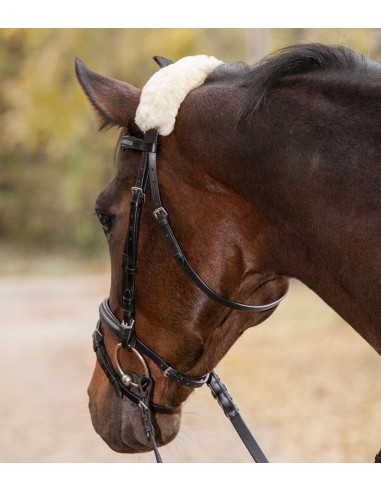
<point x="261" y="78"/>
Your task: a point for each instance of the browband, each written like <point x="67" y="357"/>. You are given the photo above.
<point x="129" y="142"/>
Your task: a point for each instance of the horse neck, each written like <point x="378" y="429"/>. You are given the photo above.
<point x="299" y="261"/>
<point x="319" y="186"/>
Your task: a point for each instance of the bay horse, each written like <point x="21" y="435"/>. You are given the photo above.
<point x="268" y="172"/>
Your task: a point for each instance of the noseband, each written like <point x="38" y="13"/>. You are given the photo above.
<point x="137" y="388"/>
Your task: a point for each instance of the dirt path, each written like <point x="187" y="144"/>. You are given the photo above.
<point x="306" y="383"/>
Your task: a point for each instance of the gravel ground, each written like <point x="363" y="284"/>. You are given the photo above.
<point x="307" y="385"/>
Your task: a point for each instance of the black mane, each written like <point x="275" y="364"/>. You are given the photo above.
<point x="261" y="78"/>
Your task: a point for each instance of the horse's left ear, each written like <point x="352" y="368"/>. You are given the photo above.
<point x="162" y="62"/>
<point x="115" y="101"/>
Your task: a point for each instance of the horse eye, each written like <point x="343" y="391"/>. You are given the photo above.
<point x="105" y="221"/>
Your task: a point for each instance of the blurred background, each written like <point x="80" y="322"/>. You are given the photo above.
<point x="306" y="383"/>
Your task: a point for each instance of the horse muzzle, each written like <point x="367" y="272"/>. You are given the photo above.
<point x="119" y="422"/>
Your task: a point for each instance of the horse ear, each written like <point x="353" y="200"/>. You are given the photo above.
<point x="115" y="101"/>
<point x="162" y="62"/>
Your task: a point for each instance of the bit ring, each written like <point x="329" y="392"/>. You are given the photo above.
<point x="127" y="378"/>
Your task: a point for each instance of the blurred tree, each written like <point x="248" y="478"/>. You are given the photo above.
<point x="375" y="43"/>
<point x="257" y="44"/>
<point x="52" y="162"/>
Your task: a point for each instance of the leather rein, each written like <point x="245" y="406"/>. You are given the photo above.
<point x="139" y="388"/>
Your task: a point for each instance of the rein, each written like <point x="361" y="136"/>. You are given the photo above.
<point x="139" y="388"/>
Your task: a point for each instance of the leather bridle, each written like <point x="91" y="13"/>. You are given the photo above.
<point x="139" y="388"/>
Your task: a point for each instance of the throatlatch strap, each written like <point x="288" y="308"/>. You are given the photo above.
<point x="162" y="218"/>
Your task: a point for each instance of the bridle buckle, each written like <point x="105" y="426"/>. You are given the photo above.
<point x="128" y="327"/>
<point x="158" y="211"/>
<point x="137" y="189"/>
<point x="127" y="339"/>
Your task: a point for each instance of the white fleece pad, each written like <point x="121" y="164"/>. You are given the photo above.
<point x="166" y="90"/>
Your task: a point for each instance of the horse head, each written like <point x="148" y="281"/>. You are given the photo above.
<point x="226" y="237"/>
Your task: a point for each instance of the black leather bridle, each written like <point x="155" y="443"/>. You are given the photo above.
<point x="139" y="388"/>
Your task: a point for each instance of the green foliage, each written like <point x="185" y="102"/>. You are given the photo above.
<point x="53" y="163"/>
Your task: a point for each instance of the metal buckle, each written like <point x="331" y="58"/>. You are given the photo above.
<point x="142" y="405"/>
<point x="172" y="374"/>
<point x="127" y="333"/>
<point x="157" y="211"/>
<point x="137" y="188"/>
<point x="126" y="326"/>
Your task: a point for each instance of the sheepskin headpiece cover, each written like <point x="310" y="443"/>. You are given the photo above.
<point x="166" y="90"/>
